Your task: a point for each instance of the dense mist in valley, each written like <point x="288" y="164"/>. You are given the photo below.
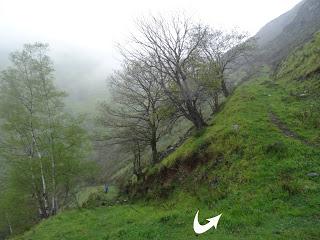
<point x="82" y="73"/>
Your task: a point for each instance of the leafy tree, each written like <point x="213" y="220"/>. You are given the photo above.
<point x="208" y="78"/>
<point x="44" y="147"/>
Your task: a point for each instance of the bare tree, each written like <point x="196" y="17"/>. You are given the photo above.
<point x="126" y="140"/>
<point x="139" y="114"/>
<point x="208" y="78"/>
<point x="222" y="50"/>
<point x="170" y="48"/>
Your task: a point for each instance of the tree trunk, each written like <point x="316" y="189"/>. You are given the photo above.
<point x="154" y="149"/>
<point x="36" y="193"/>
<point x="54" y="206"/>
<point x="44" y="192"/>
<point x="154" y="152"/>
<point x="54" y="200"/>
<point x="198" y="121"/>
<point x="216" y="102"/>
<point x="137" y="160"/>
<point x="192" y="111"/>
<point x="194" y="116"/>
<point x="44" y="196"/>
<point x="224" y="88"/>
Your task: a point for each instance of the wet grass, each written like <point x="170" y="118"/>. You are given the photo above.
<point x="255" y="175"/>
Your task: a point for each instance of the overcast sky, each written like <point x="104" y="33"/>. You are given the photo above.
<point x="83" y="33"/>
<point x="101" y="23"/>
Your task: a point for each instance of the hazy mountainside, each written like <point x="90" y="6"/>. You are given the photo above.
<point x="257" y="164"/>
<point x="84" y="78"/>
<point x="82" y="73"/>
<point x="274" y="28"/>
<point x="290" y="30"/>
<point x="257" y="161"/>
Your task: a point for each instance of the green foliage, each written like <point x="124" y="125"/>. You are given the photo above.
<point x="262" y="194"/>
<point x="45" y="148"/>
<point x="255" y="174"/>
<point x="302" y="62"/>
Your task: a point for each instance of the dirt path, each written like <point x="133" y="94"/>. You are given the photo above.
<point x="287" y="132"/>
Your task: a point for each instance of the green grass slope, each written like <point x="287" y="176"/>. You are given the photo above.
<point x="257" y="164"/>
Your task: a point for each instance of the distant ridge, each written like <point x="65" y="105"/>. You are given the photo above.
<point x="274" y="28"/>
<point x="290" y="30"/>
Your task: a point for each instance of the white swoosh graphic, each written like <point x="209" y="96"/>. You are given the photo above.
<point x="199" y="229"/>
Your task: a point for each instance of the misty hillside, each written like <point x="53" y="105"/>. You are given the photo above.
<point x="262" y="175"/>
<point x="274" y="28"/>
<point x="290" y="30"/>
<point x="174" y="135"/>
<point x="80" y="72"/>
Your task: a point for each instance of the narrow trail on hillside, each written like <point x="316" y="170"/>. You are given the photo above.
<point x="289" y="133"/>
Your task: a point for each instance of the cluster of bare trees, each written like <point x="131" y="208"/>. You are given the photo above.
<point x="172" y="68"/>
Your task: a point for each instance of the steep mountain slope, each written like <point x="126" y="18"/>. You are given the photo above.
<point x="257" y="164"/>
<point x="274" y="28"/>
<point x="290" y="30"/>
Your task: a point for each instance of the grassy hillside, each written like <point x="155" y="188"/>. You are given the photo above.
<point x="257" y="164"/>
